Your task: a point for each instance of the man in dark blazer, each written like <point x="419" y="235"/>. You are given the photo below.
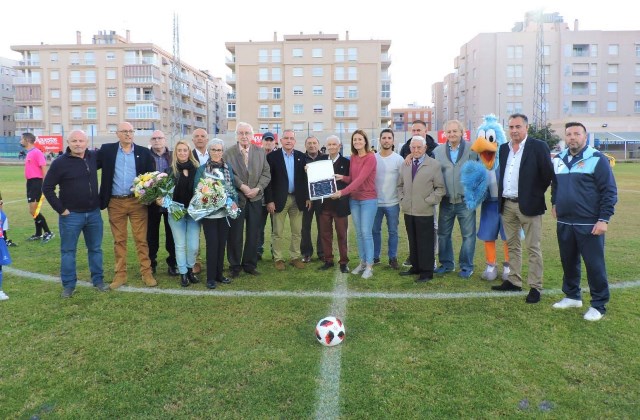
<point x="251" y="169"/>
<point x="121" y="162"/>
<point x="525" y="174"/>
<point x="287" y="194"/>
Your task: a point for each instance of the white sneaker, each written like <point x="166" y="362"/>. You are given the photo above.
<point x="368" y="273"/>
<point x="490" y="273"/>
<point x="505" y="272"/>
<point x="568" y="303"/>
<point x="3" y="295"/>
<point x="593" y="314"/>
<point x="359" y="268"/>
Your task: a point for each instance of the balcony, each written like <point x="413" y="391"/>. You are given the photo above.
<point x="270" y="96"/>
<point x="140" y="60"/>
<point x="140" y="98"/>
<point x="29" y="63"/>
<point x="385" y="60"/>
<point x="144" y="80"/>
<point x="230" y="62"/>
<point x="85" y="62"/>
<point x="345" y="114"/>
<point x="87" y="116"/>
<point x="28" y="116"/>
<point x="83" y="98"/>
<point x="82" y="80"/>
<point x="27" y="80"/>
<point x="199" y="97"/>
<point x="143" y="115"/>
<point x="231" y="96"/>
<point x="231" y="79"/>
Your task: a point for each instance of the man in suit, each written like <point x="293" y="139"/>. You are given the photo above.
<point x="287" y="194"/>
<point x="525" y="174"/>
<point x="121" y="162"/>
<point x="250" y="167"/>
<point x="312" y="146"/>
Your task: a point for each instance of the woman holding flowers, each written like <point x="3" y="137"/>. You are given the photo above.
<point x="215" y="184"/>
<point x="186" y="231"/>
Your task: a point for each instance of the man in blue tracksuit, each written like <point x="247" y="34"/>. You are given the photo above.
<point x="583" y="195"/>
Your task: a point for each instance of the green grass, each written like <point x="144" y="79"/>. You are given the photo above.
<point x="130" y="355"/>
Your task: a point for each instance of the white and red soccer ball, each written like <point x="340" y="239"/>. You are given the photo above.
<point x="330" y="331"/>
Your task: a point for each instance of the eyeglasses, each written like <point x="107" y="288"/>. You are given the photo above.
<point x="126" y="131"/>
<point x="244" y="133"/>
<point x="157" y="138"/>
<point x="216" y="150"/>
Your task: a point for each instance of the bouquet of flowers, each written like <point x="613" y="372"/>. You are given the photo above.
<point x="211" y="196"/>
<point x="151" y="186"/>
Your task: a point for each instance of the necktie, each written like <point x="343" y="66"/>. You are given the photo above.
<point x="245" y="155"/>
<point x="414" y="168"/>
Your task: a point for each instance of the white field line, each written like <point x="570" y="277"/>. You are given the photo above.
<point x="629" y="191"/>
<point x="337" y="293"/>
<point x="328" y="392"/>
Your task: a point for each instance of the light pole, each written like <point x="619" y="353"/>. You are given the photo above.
<point x="499" y="104"/>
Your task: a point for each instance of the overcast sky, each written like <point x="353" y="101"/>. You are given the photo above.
<point x="426" y="35"/>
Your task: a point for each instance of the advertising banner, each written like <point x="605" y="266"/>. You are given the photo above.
<point x="48" y="144"/>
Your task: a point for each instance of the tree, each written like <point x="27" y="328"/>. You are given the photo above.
<point x="546" y="134"/>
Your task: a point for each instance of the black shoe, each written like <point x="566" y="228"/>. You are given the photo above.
<point x="424" y="278"/>
<point x="234" y="273"/>
<point x="344" y="268"/>
<point x="192" y="277"/>
<point x="533" y="296"/>
<point x="153" y="268"/>
<point x="411" y="272"/>
<point x="252" y="271"/>
<point x="211" y="284"/>
<point x="326" y="266"/>
<point x="376" y="261"/>
<point x="507" y="286"/>
<point x="173" y="271"/>
<point x="306" y="259"/>
<point x="225" y="280"/>
<point x="184" y="280"/>
<point x="259" y="257"/>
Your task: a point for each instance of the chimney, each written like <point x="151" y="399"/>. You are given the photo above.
<point x="575" y="25"/>
<point x="275" y="37"/>
<point x="78" y="38"/>
<point x="347" y="36"/>
<point x="128" y="36"/>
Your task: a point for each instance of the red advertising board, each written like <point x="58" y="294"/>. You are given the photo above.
<point x="49" y="144"/>
<point x="257" y="139"/>
<point x="442" y="138"/>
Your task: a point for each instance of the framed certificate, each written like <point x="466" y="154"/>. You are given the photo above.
<point x="322" y="182"/>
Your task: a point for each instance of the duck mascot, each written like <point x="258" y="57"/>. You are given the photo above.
<point x="480" y="182"/>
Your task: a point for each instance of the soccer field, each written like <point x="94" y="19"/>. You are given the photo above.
<point x="447" y="348"/>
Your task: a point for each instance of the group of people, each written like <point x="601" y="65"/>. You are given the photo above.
<point x="423" y="181"/>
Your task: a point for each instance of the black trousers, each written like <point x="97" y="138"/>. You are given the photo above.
<point x="247" y="258"/>
<point x="153" y="236"/>
<point x="215" y="236"/>
<point x="306" y="244"/>
<point x="421" y="249"/>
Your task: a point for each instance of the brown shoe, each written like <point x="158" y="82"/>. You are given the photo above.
<point x="393" y="263"/>
<point x="117" y="282"/>
<point x="197" y="268"/>
<point x="149" y="280"/>
<point x="280" y="265"/>
<point x="297" y="263"/>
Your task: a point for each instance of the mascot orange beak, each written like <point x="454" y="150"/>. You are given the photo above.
<point x="486" y="150"/>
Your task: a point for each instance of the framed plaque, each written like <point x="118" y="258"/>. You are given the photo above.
<point x="322" y="182"/>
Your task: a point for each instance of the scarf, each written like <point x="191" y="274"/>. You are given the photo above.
<point x="183" y="191"/>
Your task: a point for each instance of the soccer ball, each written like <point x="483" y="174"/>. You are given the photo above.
<point x="330" y="331"/>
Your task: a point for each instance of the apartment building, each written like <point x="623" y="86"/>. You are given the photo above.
<point x="403" y="117"/>
<point x="313" y="83"/>
<point x="591" y="76"/>
<point x="95" y="86"/>
<point x="7" y="107"/>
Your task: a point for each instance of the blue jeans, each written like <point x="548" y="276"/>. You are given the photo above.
<point x="363" y="213"/>
<point x="467" y="222"/>
<point x="186" y="237"/>
<point x="393" y="218"/>
<point x="90" y="224"/>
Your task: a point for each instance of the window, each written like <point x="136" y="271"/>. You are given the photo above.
<point x="263" y="74"/>
<point x="296" y="52"/>
<point x="339" y="110"/>
<point x="91" y="113"/>
<point x="112" y="110"/>
<point x="112" y="92"/>
<point x="318" y="90"/>
<point x="593" y="88"/>
<point x="514" y="51"/>
<point x="316" y="53"/>
<point x="55" y="111"/>
<point x="76" y="113"/>
<point x="74" y="58"/>
<point x="385" y="90"/>
<point x="353" y="54"/>
<point x="231" y="110"/>
<point x="593" y="69"/>
<point x="353" y="110"/>
<point x="111" y="55"/>
<point x="90" y="76"/>
<point x="263" y="56"/>
<point x="74" y="76"/>
<point x="264" y="127"/>
<point x="612" y="106"/>
<point x="318" y="126"/>
<point x="54" y="75"/>
<point x="275" y="109"/>
<point x="593" y="49"/>
<point x="318" y="109"/>
<point x="276" y="74"/>
<point x="580" y="69"/>
<point x="339" y="92"/>
<point x="55" y="93"/>
<point x="264" y="111"/>
<point x="298" y="72"/>
<point x="339" y="73"/>
<point x="298" y="108"/>
<point x="298" y="127"/>
<point x="275" y="92"/>
<point x="613" y="49"/>
<point x="612" y="87"/>
<point x="90" y="95"/>
<point x="317" y="72"/>
<point x="111" y="128"/>
<point x="263" y="92"/>
<point x="636" y="106"/>
<point x="56" y="128"/>
<point x="90" y="58"/>
<point x="353" y="92"/>
<point x="53" y="57"/>
<point x="637" y="89"/>
<point x="612" y="69"/>
<point x="353" y="73"/>
<point x="275" y="55"/>
<point x="111" y="74"/>
<point x="546" y="50"/>
<point x="514" y="71"/>
<point x="637" y="70"/>
<point x="514" y="89"/>
<point x="637" y="50"/>
<point x="339" y="54"/>
<point x="298" y="90"/>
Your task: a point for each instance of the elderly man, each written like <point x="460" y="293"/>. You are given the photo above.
<point x="250" y="167"/>
<point x="451" y="156"/>
<point x="287" y="194"/>
<point x="268" y="145"/>
<point x="162" y="160"/>
<point x="121" y="162"/>
<point x="200" y="138"/>
<point x="420" y="188"/>
<point x="75" y="173"/>
<point x="312" y="146"/>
